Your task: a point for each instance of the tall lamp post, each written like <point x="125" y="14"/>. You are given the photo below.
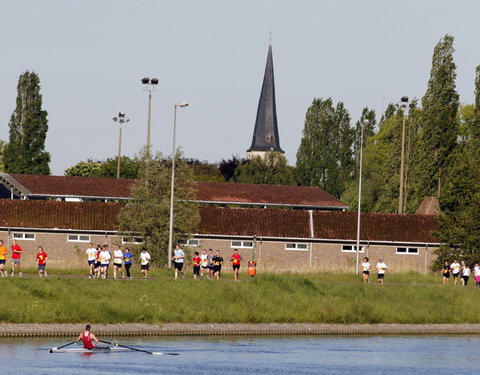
<point x="404" y="106"/>
<point x="363" y="124"/>
<point x="150" y="84"/>
<point x="120" y="120"/>
<point x="172" y="186"/>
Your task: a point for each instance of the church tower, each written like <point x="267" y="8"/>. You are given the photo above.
<point x="265" y="134"/>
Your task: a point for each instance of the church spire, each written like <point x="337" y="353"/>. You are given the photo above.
<point x="265" y="135"/>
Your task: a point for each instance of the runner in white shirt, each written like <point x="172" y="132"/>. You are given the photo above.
<point x="117" y="262"/>
<point x="465" y="274"/>
<point x="204" y="263"/>
<point x="381" y="267"/>
<point x="91" y="259"/>
<point x="366" y="270"/>
<point x="455" y="267"/>
<point x="145" y="262"/>
<point x="105" y="257"/>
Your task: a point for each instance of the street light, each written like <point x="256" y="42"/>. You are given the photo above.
<point x="404" y="106"/>
<point x="121" y="119"/>
<point x="363" y="123"/>
<point x="170" y="234"/>
<point x="150" y="87"/>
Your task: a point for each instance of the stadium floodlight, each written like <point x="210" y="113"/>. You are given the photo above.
<point x="172" y="186"/>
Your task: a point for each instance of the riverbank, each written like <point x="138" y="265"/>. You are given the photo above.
<point x="219" y="329"/>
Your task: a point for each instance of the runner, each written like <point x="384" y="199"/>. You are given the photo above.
<point x="42" y="261"/>
<point x="381" y="267"/>
<point x="16" y="258"/>
<point x="88" y="338"/>
<point x="178" y="259"/>
<point x="3" y="258"/>
<point x="196" y="260"/>
<point x="96" y="268"/>
<point x="455" y="267"/>
<point x="476" y="274"/>
<point x="145" y="262"/>
<point x="465" y="274"/>
<point x="91" y="259"/>
<point x="236" y="259"/>
<point x="366" y="271"/>
<point x="117" y="262"/>
<point x="446" y="272"/>
<point x="105" y="257"/>
<point x="217" y="264"/>
<point x="204" y="266"/>
<point x="127" y="260"/>
<point x="210" y="262"/>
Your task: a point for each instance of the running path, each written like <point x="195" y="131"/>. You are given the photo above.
<point x="225" y="329"/>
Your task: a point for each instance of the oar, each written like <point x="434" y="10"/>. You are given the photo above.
<point x="60" y="347"/>
<point x="136" y="349"/>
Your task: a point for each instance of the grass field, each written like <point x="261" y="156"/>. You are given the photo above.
<point x="289" y="298"/>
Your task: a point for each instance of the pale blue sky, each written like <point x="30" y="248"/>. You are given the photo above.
<point x="91" y="54"/>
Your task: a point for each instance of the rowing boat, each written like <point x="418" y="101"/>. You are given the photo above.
<point x="98" y="349"/>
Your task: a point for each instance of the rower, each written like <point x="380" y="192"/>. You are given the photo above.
<point x="88" y="338"/>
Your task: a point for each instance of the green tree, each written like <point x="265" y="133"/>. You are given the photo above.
<point x="147" y="215"/>
<point x="439" y="123"/>
<point x="324" y="157"/>
<point x="89" y="168"/>
<point x="2" y="150"/>
<point x="107" y="168"/>
<point x="369" y="123"/>
<point x="272" y="170"/>
<point x="25" y="152"/>
<point x="227" y="167"/>
<point x="204" y="171"/>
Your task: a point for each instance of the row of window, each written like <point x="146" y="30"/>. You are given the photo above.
<point x="195" y="243"/>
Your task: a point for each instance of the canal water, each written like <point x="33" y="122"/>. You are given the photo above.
<point x="248" y="355"/>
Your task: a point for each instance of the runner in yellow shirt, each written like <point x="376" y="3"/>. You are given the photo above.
<point x="3" y="259"/>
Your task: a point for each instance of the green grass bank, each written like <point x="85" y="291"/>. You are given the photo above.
<point x="267" y="298"/>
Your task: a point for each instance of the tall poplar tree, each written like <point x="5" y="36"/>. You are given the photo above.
<point x="439" y="124"/>
<point x="25" y="152"/>
<point x="324" y="158"/>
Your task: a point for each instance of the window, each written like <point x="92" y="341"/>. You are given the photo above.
<point x="24" y="236"/>
<point x="134" y="240"/>
<point x="191" y="242"/>
<point x="78" y="238"/>
<point x="407" y="250"/>
<point x="242" y="244"/>
<point x="352" y="249"/>
<point x="296" y="246"/>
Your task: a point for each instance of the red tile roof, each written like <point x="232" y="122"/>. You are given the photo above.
<point x="75" y="186"/>
<point x="375" y="227"/>
<point x="207" y="192"/>
<point x="304" y="196"/>
<point x="219" y="221"/>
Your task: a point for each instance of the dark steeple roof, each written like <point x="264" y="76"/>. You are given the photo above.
<point x="265" y="135"/>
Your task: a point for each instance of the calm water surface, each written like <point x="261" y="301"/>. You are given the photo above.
<point x="266" y="355"/>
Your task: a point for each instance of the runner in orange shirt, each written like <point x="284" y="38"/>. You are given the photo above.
<point x="3" y="259"/>
<point x="236" y="258"/>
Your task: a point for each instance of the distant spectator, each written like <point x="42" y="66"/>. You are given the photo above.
<point x="42" y="261"/>
<point x="16" y="258"/>
<point x="381" y="268"/>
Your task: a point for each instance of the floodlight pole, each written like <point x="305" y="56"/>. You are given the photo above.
<point x="150" y="87"/>
<point x="172" y="185"/>
<point x="363" y="123"/>
<point x="121" y="119"/>
<point x="404" y="105"/>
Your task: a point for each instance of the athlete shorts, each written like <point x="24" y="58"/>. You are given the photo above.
<point x="236" y="266"/>
<point x="178" y="266"/>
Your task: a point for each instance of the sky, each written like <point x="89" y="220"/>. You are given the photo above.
<point x="91" y="55"/>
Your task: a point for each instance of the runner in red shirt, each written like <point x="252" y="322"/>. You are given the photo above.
<point x="16" y="258"/>
<point x="236" y="258"/>
<point x="88" y="338"/>
<point x="196" y="260"/>
<point x="42" y="261"/>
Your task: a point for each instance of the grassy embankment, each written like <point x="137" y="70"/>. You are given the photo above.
<point x="289" y="298"/>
